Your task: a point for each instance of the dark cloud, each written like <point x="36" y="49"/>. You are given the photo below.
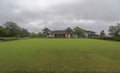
<point x="89" y="14"/>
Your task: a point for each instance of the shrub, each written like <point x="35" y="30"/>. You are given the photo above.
<point x="106" y="38"/>
<point x="8" y="39"/>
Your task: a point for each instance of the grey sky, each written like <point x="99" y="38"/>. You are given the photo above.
<point x="60" y="14"/>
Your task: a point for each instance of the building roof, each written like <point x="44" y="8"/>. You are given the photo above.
<point x="59" y="32"/>
<point x="88" y="31"/>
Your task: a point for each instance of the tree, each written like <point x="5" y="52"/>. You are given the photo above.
<point x="114" y="31"/>
<point x="13" y="29"/>
<point x="69" y="30"/>
<point x="3" y="31"/>
<point x="117" y="34"/>
<point x="46" y="31"/>
<point x="102" y="34"/>
<point x="79" y="32"/>
<point x="33" y="35"/>
<point x="41" y="35"/>
<point x="24" y="33"/>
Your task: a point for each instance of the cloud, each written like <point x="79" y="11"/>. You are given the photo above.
<point x="107" y="10"/>
<point x="59" y="14"/>
<point x="40" y="4"/>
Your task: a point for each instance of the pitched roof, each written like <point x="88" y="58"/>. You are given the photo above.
<point x="88" y="31"/>
<point x="59" y="32"/>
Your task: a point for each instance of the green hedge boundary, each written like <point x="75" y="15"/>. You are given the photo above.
<point x="11" y="39"/>
<point x="107" y="38"/>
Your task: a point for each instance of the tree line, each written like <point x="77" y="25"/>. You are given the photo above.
<point x="11" y="29"/>
<point x="114" y="31"/>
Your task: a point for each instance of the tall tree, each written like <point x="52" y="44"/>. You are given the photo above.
<point x="3" y="31"/>
<point x="114" y="31"/>
<point x="79" y="32"/>
<point x="13" y="29"/>
<point x="24" y="33"/>
<point x="46" y="30"/>
<point x="69" y="30"/>
<point x="117" y="34"/>
<point x="102" y="34"/>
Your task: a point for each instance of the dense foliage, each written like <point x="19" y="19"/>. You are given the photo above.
<point x="79" y="32"/>
<point x="114" y="31"/>
<point x="11" y="29"/>
<point x="3" y="32"/>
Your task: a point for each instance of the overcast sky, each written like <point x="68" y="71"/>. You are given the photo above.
<point x="35" y="15"/>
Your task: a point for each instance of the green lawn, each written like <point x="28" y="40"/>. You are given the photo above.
<point x="59" y="54"/>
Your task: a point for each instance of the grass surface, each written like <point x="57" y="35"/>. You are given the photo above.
<point x="59" y="54"/>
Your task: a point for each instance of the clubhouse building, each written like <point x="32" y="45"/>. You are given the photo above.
<point x="66" y="34"/>
<point x="59" y="34"/>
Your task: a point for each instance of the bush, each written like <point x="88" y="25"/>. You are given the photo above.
<point x="8" y="39"/>
<point x="107" y="38"/>
<point x="42" y="35"/>
<point x="111" y="38"/>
